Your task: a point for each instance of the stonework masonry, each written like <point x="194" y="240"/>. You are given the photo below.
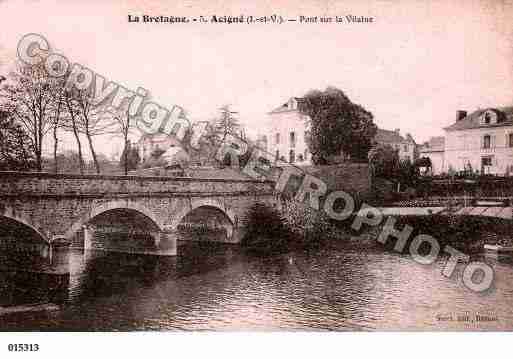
<point x="57" y="206"/>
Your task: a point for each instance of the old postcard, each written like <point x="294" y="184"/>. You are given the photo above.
<point x="255" y="166"/>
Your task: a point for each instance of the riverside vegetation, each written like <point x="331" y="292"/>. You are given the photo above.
<point x="297" y="226"/>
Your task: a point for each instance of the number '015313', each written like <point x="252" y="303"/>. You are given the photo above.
<point x="23" y="347"/>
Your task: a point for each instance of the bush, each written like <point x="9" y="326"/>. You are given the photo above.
<point x="265" y="227"/>
<point x="465" y="233"/>
<point x="309" y="226"/>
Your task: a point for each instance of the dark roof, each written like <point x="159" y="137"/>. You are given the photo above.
<point x="435" y="144"/>
<point x="387" y="136"/>
<point x="505" y="115"/>
<point x="285" y="106"/>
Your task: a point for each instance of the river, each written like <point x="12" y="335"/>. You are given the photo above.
<point x="219" y="287"/>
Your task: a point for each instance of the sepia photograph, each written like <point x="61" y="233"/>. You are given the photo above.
<point x="240" y="166"/>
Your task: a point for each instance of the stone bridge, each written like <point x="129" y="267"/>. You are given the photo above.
<point x="57" y="206"/>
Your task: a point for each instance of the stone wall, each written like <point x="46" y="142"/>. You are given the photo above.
<point x="16" y="183"/>
<point x="354" y="178"/>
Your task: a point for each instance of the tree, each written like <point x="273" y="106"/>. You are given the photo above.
<point x="129" y="158"/>
<point x="384" y="161"/>
<point x="56" y="122"/>
<point x="266" y="228"/>
<point x="407" y="173"/>
<point x="123" y="125"/>
<point x="69" y="162"/>
<point x="93" y="121"/>
<point x="15" y="154"/>
<point x="74" y="113"/>
<point x="337" y="125"/>
<point x="227" y="123"/>
<point x="29" y="99"/>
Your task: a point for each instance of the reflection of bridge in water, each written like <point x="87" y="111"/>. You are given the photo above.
<point x="49" y="211"/>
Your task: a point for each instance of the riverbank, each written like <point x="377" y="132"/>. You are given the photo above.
<point x="304" y="228"/>
<point x="467" y="234"/>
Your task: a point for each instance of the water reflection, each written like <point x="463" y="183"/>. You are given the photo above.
<point x="219" y="287"/>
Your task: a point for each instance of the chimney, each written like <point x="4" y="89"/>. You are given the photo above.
<point x="397" y="130"/>
<point x="460" y="115"/>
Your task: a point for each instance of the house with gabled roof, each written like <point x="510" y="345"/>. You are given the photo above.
<point x="405" y="145"/>
<point x="482" y="141"/>
<point x="286" y="133"/>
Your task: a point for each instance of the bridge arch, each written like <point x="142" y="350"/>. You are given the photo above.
<point x="109" y="206"/>
<point x="225" y="217"/>
<point x="204" y="202"/>
<point x="25" y="222"/>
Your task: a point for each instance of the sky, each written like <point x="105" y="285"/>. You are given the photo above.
<point x="413" y="67"/>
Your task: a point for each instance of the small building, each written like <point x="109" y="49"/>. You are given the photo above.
<point x="148" y="143"/>
<point x="176" y="156"/>
<point x="434" y="149"/>
<point x="406" y="146"/>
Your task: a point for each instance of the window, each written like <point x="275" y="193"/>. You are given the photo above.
<point x="405" y="148"/>
<point x="277" y="155"/>
<point x="306" y="155"/>
<point x="486" y="141"/>
<point x="292" y="156"/>
<point x="489" y="117"/>
<point x="510" y="140"/>
<point x="300" y="158"/>
<point x="277" y="138"/>
<point x="486" y="161"/>
<point x="292" y="139"/>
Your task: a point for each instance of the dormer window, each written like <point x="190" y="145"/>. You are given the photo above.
<point x="489" y="117"/>
<point x="292" y="105"/>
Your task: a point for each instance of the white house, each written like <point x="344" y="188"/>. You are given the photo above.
<point x="285" y="134"/>
<point x="157" y="141"/>
<point x="287" y="130"/>
<point x="482" y="141"/>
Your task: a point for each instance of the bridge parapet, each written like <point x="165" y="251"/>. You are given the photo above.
<point x="40" y="183"/>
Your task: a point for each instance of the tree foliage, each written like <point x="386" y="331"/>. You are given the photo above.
<point x="29" y="97"/>
<point x="15" y="153"/>
<point x="265" y="226"/>
<point x="337" y="125"/>
<point x="130" y="158"/>
<point x="227" y="123"/>
<point x="385" y="163"/>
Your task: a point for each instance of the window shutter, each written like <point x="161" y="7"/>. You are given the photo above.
<point x="493" y="141"/>
<point x="481" y="139"/>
